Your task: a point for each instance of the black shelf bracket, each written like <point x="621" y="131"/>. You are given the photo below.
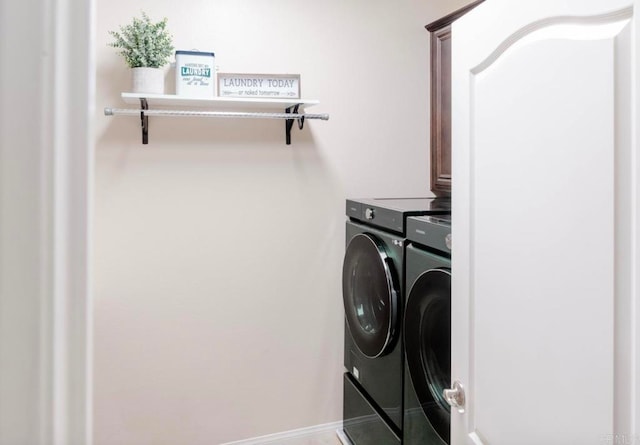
<point x="288" y="124"/>
<point x="144" y="120"/>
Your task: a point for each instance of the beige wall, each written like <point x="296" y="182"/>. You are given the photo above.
<point x="218" y="248"/>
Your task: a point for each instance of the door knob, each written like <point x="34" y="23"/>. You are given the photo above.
<point x="455" y="396"/>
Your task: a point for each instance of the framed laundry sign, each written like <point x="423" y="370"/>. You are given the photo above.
<point x="276" y="86"/>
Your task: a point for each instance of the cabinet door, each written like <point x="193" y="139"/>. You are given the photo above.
<point x="545" y="222"/>
<point x="441" y="110"/>
<point x="441" y="100"/>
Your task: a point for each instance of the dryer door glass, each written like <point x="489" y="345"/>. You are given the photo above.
<point x="427" y="340"/>
<point x="369" y="294"/>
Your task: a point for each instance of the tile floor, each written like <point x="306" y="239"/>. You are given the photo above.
<point x="325" y="438"/>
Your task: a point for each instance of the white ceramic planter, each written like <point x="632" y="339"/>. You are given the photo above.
<point x="147" y="80"/>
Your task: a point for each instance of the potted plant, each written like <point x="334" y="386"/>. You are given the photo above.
<point x="146" y="47"/>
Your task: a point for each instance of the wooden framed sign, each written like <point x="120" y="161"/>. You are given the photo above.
<point x="276" y="86"/>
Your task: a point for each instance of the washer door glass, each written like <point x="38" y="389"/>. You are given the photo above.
<point x="369" y="294"/>
<point x="427" y="340"/>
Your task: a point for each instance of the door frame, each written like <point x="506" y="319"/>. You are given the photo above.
<point x="46" y="167"/>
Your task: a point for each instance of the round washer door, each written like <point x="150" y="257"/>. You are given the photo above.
<point x="370" y="295"/>
<point x="427" y="341"/>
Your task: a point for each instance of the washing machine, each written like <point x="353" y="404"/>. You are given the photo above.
<point x="372" y="284"/>
<point x="427" y="331"/>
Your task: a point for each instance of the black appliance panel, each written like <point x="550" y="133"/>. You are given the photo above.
<point x="381" y="377"/>
<point x="427" y="344"/>
<point x="362" y="423"/>
<point x="431" y="231"/>
<point x="391" y="213"/>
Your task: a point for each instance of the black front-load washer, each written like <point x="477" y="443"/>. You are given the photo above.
<point x="427" y="331"/>
<point x="372" y="286"/>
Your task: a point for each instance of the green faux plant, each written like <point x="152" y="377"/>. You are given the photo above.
<point x="143" y="43"/>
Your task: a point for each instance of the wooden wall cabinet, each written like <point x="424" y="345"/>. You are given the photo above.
<point x="441" y="100"/>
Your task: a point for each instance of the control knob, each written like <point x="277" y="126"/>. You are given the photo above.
<point x="368" y="213"/>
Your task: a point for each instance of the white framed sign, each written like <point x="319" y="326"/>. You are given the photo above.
<point x="276" y="86"/>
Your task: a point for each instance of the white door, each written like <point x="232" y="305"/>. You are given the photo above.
<point x="545" y="222"/>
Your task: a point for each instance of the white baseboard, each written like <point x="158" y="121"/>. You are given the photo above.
<point x="344" y="440"/>
<point x="283" y="437"/>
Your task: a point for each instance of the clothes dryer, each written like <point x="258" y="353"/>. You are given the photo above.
<point x="372" y="285"/>
<point x="427" y="331"/>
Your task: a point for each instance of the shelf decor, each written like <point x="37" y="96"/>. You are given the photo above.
<point x="146" y="47"/>
<point x="195" y="74"/>
<point x="275" y="86"/>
